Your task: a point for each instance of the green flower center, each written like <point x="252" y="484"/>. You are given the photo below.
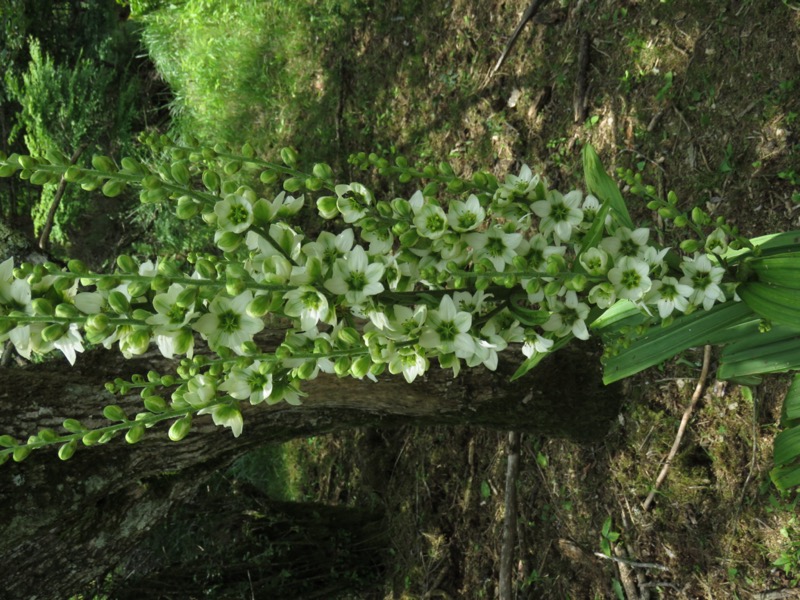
<point x="701" y="280"/>
<point x="238" y="214"/>
<point x="467" y="220"/>
<point x="229" y="321"/>
<point x="357" y="281"/>
<point x="447" y="331"/>
<point x="434" y="223"/>
<point x="631" y="279"/>
<point x="559" y="212"/>
<point x="176" y="314"/>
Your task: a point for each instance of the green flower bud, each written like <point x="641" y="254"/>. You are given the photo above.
<point x="552" y="287"/>
<point x="138" y="341"/>
<point x="699" y="217"/>
<point x="455" y="186"/>
<point x="405" y="177"/>
<point x="106" y="437"/>
<point x="131" y="166"/>
<point x="126" y="264"/>
<point x="187" y="208"/>
<point x="431" y="189"/>
<point x="248" y="151"/>
<point x="232" y="167"/>
<point x="103" y="164"/>
<point x="27" y="162"/>
<point x="268" y="177"/>
<point x="259" y="306"/>
<point x="6" y="441"/>
<point x="42" y="178"/>
<point x="228" y="187"/>
<point x="306" y="370"/>
<point x="289" y="156"/>
<point x="183" y="341"/>
<point x="479" y="179"/>
<point x="342" y="366"/>
<point x="78" y="267"/>
<point x="360" y="367"/>
<point x="322" y="171"/>
<point x="229" y="241"/>
<point x="155" y="404"/>
<point x="67" y="311"/>
<point x="113" y="188"/>
<point x="180" y="428"/>
<point x="112" y="412"/>
<point x="119" y="303"/>
<point x="53" y="332"/>
<point x="21" y="453"/>
<point x="349" y="336"/>
<point x="322" y="346"/>
<point x="681" y="221"/>
<point x="690" y="246"/>
<point x="577" y="282"/>
<point x="402" y="207"/>
<point x="401" y="162"/>
<point x="42" y="307"/>
<point x="159" y="283"/>
<point x="67" y="450"/>
<point x="326" y="206"/>
<point x="211" y="180"/>
<point x="672" y="198"/>
<point x="384" y="209"/>
<point x="72" y="425"/>
<point x="445" y="169"/>
<point x="293" y="184"/>
<point x="135" y="433"/>
<point x="206" y="269"/>
<point x="47" y="435"/>
<point x="151" y="182"/>
<point x="98" y="322"/>
<point x="234" y="287"/>
<point x="555" y="264"/>
<point x="409" y="238"/>
<point x="313" y="183"/>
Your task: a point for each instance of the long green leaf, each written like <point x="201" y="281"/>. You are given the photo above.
<point x="602" y="186"/>
<point x="791" y="404"/>
<point x="773" y="302"/>
<point x="786" y="473"/>
<point x="660" y="344"/>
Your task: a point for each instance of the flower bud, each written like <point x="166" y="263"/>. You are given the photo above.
<point x="293" y="184"/>
<point x="342" y="366"/>
<point x="211" y="180"/>
<point x="66" y="311"/>
<point x="53" y="332"/>
<point x="180" y="428"/>
<point x="67" y="450"/>
<point x="360" y="367"/>
<point x="431" y="189"/>
<point x="259" y="306"/>
<point x="72" y="425"/>
<point x="113" y="188"/>
<point x="186" y="208"/>
<point x="306" y="370"/>
<point x="42" y="307"/>
<point x="103" y="164"/>
<point x="229" y="241"/>
<point x="289" y="156"/>
<point x="135" y="433"/>
<point x="206" y="269"/>
<point x="690" y="246"/>
<point x="112" y="412"/>
<point x="118" y="302"/>
<point x="326" y="205"/>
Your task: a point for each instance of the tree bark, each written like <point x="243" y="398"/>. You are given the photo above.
<point x="65" y="524"/>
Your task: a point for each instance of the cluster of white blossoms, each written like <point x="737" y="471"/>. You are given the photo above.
<point x="402" y="283"/>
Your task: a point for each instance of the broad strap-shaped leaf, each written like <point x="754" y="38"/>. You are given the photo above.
<point x="774" y="243"/>
<point x="776" y="303"/>
<point x="777" y="351"/>
<point x="601" y="185"/>
<point x="781" y="269"/>
<point x="661" y="343"/>
<point x="786" y="473"/>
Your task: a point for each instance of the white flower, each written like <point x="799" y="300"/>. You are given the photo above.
<point x="704" y="278"/>
<point x="465" y="216"/>
<point x="603" y="295"/>
<point x="12" y="290"/>
<point x="228" y="325"/>
<point x="430" y="221"/>
<point x="540" y="251"/>
<point x="496" y="245"/>
<point x="626" y="242"/>
<point x="559" y="214"/>
<point x="407" y="322"/>
<point x="590" y="208"/>
<point x="356" y="277"/>
<point x="307" y="304"/>
<point x="380" y="241"/>
<point x="669" y="294"/>
<point x="329" y="247"/>
<point x="200" y="391"/>
<point x="281" y="207"/>
<point x="409" y="362"/>
<point x="630" y="278"/>
<point x="70" y="343"/>
<point x="446" y="330"/>
<point x="226" y="415"/>
<point x="234" y="213"/>
<point x="517" y="186"/>
<point x="487" y="347"/>
<point x="595" y="261"/>
<point x="716" y="242"/>
<point x="568" y="317"/>
<point x="248" y="383"/>
<point x="353" y="201"/>
<point x="537" y="345"/>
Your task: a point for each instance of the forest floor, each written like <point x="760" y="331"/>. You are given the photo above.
<point x="702" y="98"/>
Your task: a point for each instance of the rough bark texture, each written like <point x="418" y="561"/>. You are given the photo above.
<point x="64" y="524"/>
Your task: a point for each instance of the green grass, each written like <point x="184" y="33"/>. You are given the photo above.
<point x="274" y="470"/>
<point x="248" y="70"/>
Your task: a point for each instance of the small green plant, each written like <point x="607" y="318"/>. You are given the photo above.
<point x="608" y="537"/>
<point x="789" y="559"/>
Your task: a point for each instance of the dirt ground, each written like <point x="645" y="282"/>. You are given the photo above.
<point x="699" y="97"/>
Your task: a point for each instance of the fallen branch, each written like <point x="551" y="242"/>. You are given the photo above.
<point x="510" y="521"/>
<point x="51" y="214"/>
<point x="579" y="106"/>
<point x="698" y="393"/>
<point x="632" y="563"/>
<point x="529" y="13"/>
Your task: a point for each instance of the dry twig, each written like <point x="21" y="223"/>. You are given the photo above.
<point x="532" y="9"/>
<point x="510" y="521"/>
<point x="698" y="393"/>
